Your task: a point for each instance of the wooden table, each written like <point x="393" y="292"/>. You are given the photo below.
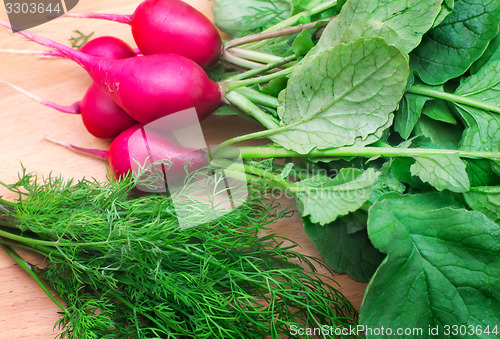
<point x="26" y="312"/>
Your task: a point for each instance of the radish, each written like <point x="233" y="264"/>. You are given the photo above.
<point x="108" y="47"/>
<point x="146" y="87"/>
<point x="170" y="26"/>
<point x="100" y="115"/>
<point x="142" y="146"/>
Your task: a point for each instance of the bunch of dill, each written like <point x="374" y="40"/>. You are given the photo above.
<point x="125" y="269"/>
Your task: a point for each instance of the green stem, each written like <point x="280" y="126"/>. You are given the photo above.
<point x="229" y="57"/>
<point x="254" y="55"/>
<point x="257" y="175"/>
<point x="259" y="97"/>
<point x="257" y="71"/>
<point x="230" y="86"/>
<point x="28" y="269"/>
<point x="430" y="92"/>
<point x="251" y="179"/>
<point x="250" y="136"/>
<point x="265" y="35"/>
<point x="43" y="251"/>
<point x="367" y="152"/>
<point x="7" y="203"/>
<point x="243" y="103"/>
<point x="294" y="20"/>
<point x="37" y="242"/>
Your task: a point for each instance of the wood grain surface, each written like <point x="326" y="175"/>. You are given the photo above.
<point x="26" y="312"/>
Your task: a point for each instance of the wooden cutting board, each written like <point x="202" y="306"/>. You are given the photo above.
<point x="26" y="311"/>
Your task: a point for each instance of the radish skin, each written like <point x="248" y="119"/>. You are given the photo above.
<point x="170" y="26"/>
<point x="146" y="87"/>
<point x="108" y="47"/>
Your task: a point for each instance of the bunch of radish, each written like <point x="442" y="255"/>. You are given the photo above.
<point x="130" y="90"/>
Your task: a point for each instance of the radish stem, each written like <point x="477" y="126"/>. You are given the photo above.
<point x="124" y="19"/>
<point x="293" y="21"/>
<point x="367" y="152"/>
<point x="242" y="102"/>
<point x="235" y="60"/>
<point x="230" y="86"/>
<point x="72" y="109"/>
<point x="254" y="55"/>
<point x="40" y="54"/>
<point x="99" y="154"/>
<point x="275" y="33"/>
<point x="430" y="92"/>
<point x="257" y="71"/>
<point x="259" y="97"/>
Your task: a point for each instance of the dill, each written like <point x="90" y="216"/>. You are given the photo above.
<point x="125" y="268"/>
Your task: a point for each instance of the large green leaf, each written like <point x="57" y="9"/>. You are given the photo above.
<point x="482" y="128"/>
<point x="344" y="96"/>
<point x="324" y="199"/>
<point x="442" y="267"/>
<point x="238" y="17"/>
<point x="345" y="252"/>
<point x="401" y="22"/>
<point x="448" y="50"/>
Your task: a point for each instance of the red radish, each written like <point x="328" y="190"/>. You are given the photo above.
<point x="100" y="115"/>
<point x="146" y="87"/>
<point x="170" y="26"/>
<point x="141" y="146"/>
<point x="108" y="47"/>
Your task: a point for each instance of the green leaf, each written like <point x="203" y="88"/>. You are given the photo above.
<point x="485" y="200"/>
<point x="400" y="167"/>
<point x="448" y="50"/>
<point x="241" y="17"/>
<point x="386" y="182"/>
<point x="324" y="199"/>
<point x="442" y="266"/>
<point x="344" y="96"/>
<point x="481" y="173"/>
<point x="344" y="252"/>
<point x="482" y="131"/>
<point x="403" y="22"/>
<point x="440" y="134"/>
<point x="275" y="86"/>
<point x="443" y="172"/>
<point x="446" y="9"/>
<point x="491" y="54"/>
<point x="302" y="43"/>
<point x="439" y="110"/>
<point x="408" y="114"/>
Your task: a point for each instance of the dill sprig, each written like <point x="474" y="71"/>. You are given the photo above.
<point x="126" y="269"/>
